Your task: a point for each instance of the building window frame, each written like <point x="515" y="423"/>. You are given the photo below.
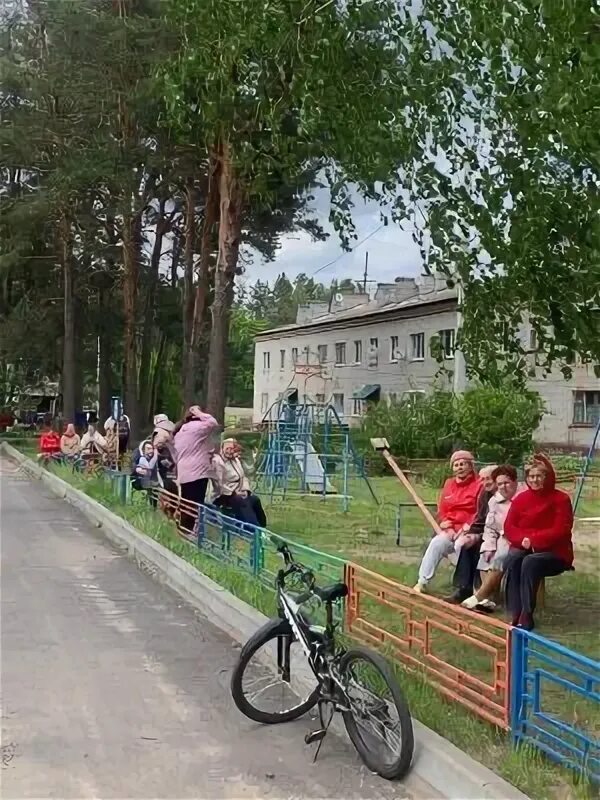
<point x="267" y="360"/>
<point x="447" y="342"/>
<point x="417" y="346"/>
<point x="264" y="402"/>
<point x="294" y="355"/>
<point x="394" y="347"/>
<point x="322" y="353"/>
<point x="282" y="360"/>
<point x="358" y="351"/>
<point x="586" y="408"/>
<point x="358" y="407"/>
<point x="340" y="354"/>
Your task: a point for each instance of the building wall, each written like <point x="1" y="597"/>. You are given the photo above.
<point x="397" y="377"/>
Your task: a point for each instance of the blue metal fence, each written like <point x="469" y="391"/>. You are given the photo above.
<point x="556" y="702"/>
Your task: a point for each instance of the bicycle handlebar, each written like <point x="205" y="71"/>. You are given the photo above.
<point x="306" y="575"/>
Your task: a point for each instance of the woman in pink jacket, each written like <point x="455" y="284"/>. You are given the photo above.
<point x="194" y="447"/>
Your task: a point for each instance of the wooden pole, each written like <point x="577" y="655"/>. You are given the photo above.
<point x="381" y="446"/>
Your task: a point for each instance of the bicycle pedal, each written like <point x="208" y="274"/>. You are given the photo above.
<point x="315" y="736"/>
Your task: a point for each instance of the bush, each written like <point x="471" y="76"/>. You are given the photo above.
<point x="497" y="424"/>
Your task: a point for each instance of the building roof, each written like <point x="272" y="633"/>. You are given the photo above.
<point x="427" y="302"/>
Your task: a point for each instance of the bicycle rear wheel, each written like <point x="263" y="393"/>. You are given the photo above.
<point x="264" y="692"/>
<point x="378" y="719"/>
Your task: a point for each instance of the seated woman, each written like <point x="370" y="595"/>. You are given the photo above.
<point x="465" y="577"/>
<point x="70" y="443"/>
<point x="233" y="487"/>
<point x="457" y="508"/>
<point x="93" y="445"/>
<point x="49" y="445"/>
<point x="494" y="545"/>
<point x="539" y="528"/>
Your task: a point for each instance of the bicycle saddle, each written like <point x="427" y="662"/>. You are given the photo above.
<point x="330" y="593"/>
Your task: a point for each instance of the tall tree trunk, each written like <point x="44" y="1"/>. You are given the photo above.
<point x="105" y="387"/>
<point x="145" y="393"/>
<point x="131" y="263"/>
<point x="69" y="368"/>
<point x="188" y="292"/>
<point x="157" y="372"/>
<point x="175" y="256"/>
<point x="201" y="300"/>
<point x="230" y="227"/>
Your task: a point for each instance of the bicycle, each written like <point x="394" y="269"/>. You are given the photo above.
<point x="340" y="677"/>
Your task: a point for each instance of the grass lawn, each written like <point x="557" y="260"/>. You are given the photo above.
<point x="366" y="534"/>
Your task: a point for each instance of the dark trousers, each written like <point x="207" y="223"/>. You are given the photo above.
<point x="196" y="492"/>
<point x="246" y="509"/>
<point x="524" y="571"/>
<point x="466" y="576"/>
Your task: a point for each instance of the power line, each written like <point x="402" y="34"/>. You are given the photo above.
<point x="345" y="253"/>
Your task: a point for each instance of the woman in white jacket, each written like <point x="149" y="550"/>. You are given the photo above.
<point x="494" y="546"/>
<point x="233" y="488"/>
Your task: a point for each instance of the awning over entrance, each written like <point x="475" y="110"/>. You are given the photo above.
<point x="370" y="391"/>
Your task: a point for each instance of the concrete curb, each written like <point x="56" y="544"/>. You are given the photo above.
<point x="448" y="771"/>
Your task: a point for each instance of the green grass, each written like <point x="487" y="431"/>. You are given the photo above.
<point x="526" y="768"/>
<point x="366" y="534"/>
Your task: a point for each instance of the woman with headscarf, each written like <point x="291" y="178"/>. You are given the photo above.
<point x="70" y="442"/>
<point x="194" y="447"/>
<point x="457" y="508"/>
<point x="539" y="528"/>
<point x="233" y="487"/>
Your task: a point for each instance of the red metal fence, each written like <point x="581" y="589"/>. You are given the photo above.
<point x="463" y="655"/>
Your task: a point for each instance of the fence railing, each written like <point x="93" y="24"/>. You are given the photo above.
<point x="555" y="702"/>
<point x="463" y="655"/>
<point x="547" y="695"/>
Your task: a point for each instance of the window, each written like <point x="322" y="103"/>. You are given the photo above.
<point x="447" y="342"/>
<point x="264" y="403"/>
<point x="322" y="351"/>
<point x="417" y="346"/>
<point x="320" y="399"/>
<point x="586" y="408"/>
<point x="340" y="353"/>
<point x="533" y="343"/>
<point x="266" y="360"/>
<point x="393" y="348"/>
<point x="294" y="355"/>
<point x="357" y="352"/>
<point x="282" y="359"/>
<point x="338" y="403"/>
<point x="373" y="356"/>
<point x="358" y="407"/>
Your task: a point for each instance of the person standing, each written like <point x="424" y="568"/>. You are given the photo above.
<point x="539" y="528"/>
<point x="70" y="443"/>
<point x="194" y="447"/>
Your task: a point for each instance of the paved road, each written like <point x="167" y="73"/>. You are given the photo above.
<point x="114" y="688"/>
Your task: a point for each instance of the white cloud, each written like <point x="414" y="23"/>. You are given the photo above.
<point x="391" y="249"/>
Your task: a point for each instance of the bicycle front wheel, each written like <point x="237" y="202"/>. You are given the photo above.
<point x="263" y="685"/>
<point x="378" y="719"/>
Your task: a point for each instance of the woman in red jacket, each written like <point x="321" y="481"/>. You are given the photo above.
<point x="539" y="528"/>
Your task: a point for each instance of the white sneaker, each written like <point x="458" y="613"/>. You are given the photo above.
<point x="471" y="602"/>
<point x="489" y="605"/>
<point x="419" y="587"/>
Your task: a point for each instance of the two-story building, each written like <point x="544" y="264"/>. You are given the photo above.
<point x="359" y="348"/>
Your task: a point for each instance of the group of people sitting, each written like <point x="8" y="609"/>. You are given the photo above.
<point x="184" y="458"/>
<point x="92" y="445"/>
<point x="497" y="530"/>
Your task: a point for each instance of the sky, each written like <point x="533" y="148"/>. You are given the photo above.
<point x="392" y="252"/>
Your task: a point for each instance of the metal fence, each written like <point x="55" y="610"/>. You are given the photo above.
<point x="465" y="656"/>
<point x="555" y="703"/>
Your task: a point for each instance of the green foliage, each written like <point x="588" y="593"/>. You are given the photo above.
<point x="496" y="424"/>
